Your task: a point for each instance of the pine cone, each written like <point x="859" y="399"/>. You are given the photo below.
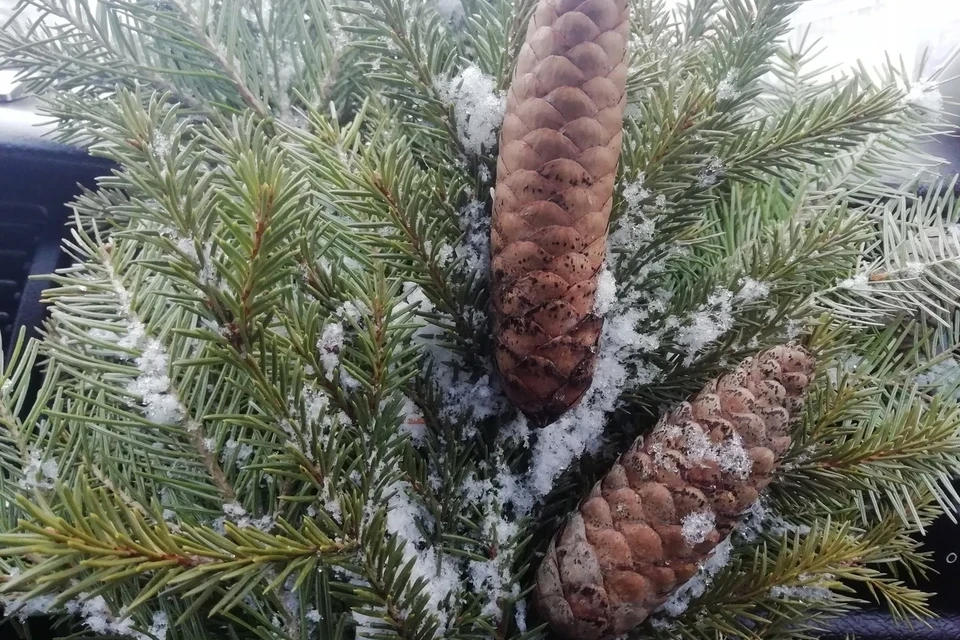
<point x="559" y="148"/>
<point x="671" y="498"/>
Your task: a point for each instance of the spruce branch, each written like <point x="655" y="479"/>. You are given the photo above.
<point x="217" y="52"/>
<point x="416" y="52"/>
<point x="893" y="447"/>
<point x="111" y="544"/>
<point x="82" y="52"/>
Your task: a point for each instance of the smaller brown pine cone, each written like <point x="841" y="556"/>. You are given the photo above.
<point x="671" y="498"/>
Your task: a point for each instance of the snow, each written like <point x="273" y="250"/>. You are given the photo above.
<point x="520" y="611"/>
<point x="606" y="294"/>
<point x="161" y="405"/>
<point x="708" y="323"/>
<point x="239" y="452"/>
<point x="622" y="330"/>
<point x="99" y="618"/>
<point x="239" y="515"/>
<point x="727" y="88"/>
<point x="633" y="233"/>
<point x="926" y="95"/>
<point x="634" y="195"/>
<point x="36" y="606"/>
<point x="450" y="10"/>
<point x="329" y="346"/>
<point x="914" y="269"/>
<point x="697" y="526"/>
<point x="136" y="333"/>
<point x="466" y="398"/>
<point x="581" y="429"/>
<point x="234" y="510"/>
<point x="444" y="255"/>
<point x="187" y="247"/>
<point x="696" y="446"/>
<point x="945" y="373"/>
<point x="313" y="615"/>
<point x="681" y="598"/>
<point x="710" y="173"/>
<point x="331" y="503"/>
<point x="733" y="457"/>
<point x="208" y="272"/>
<point x="491" y="577"/>
<point x="633" y="229"/>
<point x="514" y="490"/>
<point x="813" y="590"/>
<point x="759" y="517"/>
<point x="413" y="424"/>
<point x="474" y="249"/>
<point x="858" y="282"/>
<point x="39" y="473"/>
<point x="779" y="527"/>
<point x="160" y="145"/>
<point x="477" y="106"/>
<point x="439" y="572"/>
<point x="350" y="310"/>
<point x="160" y="625"/>
<point x="753" y="520"/>
<point x="487" y="577"/>
<point x="752" y="290"/>
<point x="314" y="403"/>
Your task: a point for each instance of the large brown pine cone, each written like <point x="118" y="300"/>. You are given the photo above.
<point x="671" y="498"/>
<point x="559" y="148"/>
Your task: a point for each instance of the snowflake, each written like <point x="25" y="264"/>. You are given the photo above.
<point x="697" y="526"/>
<point x="914" y="269"/>
<point x="727" y="89"/>
<point x="234" y="510"/>
<point x="606" y="292"/>
<point x="159" y="625"/>
<point x="634" y="194"/>
<point x="329" y="346"/>
<point x="475" y="247"/>
<point x="477" y="106"/>
<point x="926" y="95"/>
<point x="710" y="173"/>
<point x="752" y="290"/>
<point x="857" y="282"/>
<point x="240" y="452"/>
<point x="39" y="473"/>
<point x="160" y="145"/>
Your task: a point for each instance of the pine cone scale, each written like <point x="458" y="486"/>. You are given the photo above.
<point x="559" y="148"/>
<point x="671" y="498"/>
